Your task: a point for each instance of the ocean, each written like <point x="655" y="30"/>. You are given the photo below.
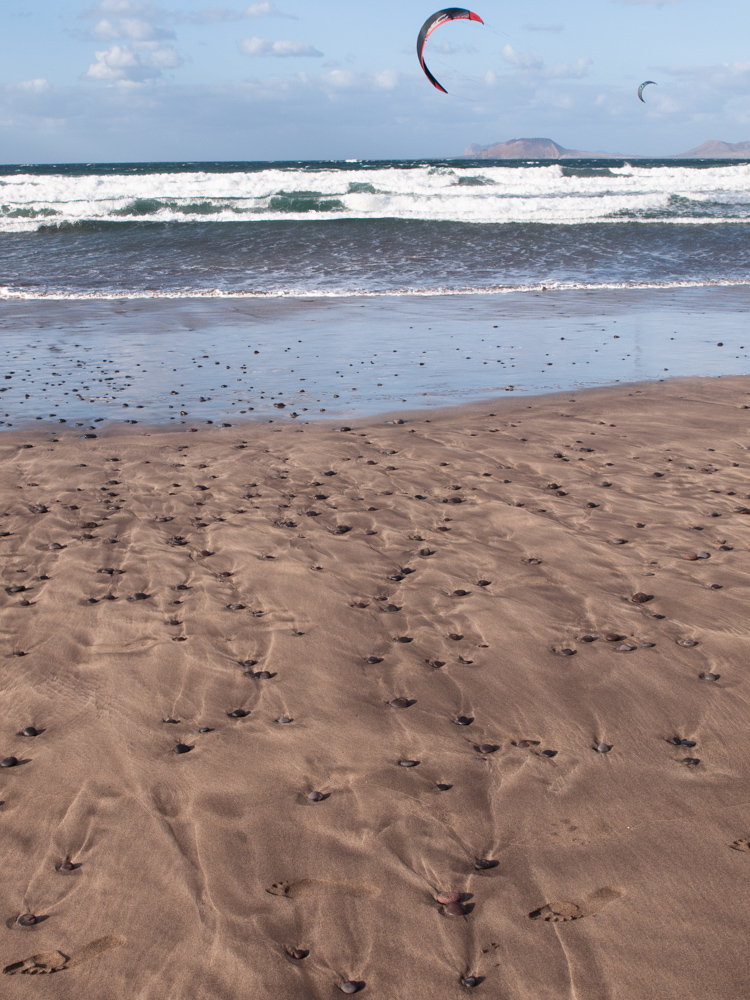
<point x="323" y="262"/>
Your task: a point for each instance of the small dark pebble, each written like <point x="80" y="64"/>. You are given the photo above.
<point x="588" y="638"/>
<point x="483" y="583"/>
<point x="315" y="797"/>
<point x="464" y="720"/>
<point x="549" y="753"/>
<point x="284" y="720"/>
<point x="484" y="864"/>
<point x="436" y="663"/>
<point x="470" y="981"/>
<point x="67" y="866"/>
<point x="141" y="597"/>
<point x="488" y="748"/>
<point x="299" y="954"/>
<point x="567" y="652"/>
<point x="691" y="761"/>
<point x="640" y="598"/>
<point x="455" y="636"/>
<point x="9" y="762"/>
<point x="26" y="920"/>
<point x="400" y="703"/>
<point x="523" y="744"/>
<point x="404" y="638"/>
<point x="603" y="748"/>
<point x="182" y="748"/>
<point x="402" y="763"/>
<point x="205" y="729"/>
<point x="349" y="987"/>
<point x="454" y="909"/>
<point x="30" y="731"/>
<point x="238" y="713"/>
<point x="374" y="659"/>
<point x="236" y="607"/>
<point x="443" y="788"/>
<point x="709" y="677"/>
<point x="687" y="642"/>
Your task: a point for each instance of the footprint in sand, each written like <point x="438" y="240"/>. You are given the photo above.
<point x="741" y="845"/>
<point x="55" y="961"/>
<point x="279" y="889"/>
<point x="562" y="912"/>
<point x="308" y="887"/>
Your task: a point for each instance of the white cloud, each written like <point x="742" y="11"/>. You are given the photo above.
<point x="217" y="15"/>
<point x="122" y="8"/>
<point x="522" y="60"/>
<point x="31" y="86"/>
<point x="122" y="64"/>
<point x="131" y="28"/>
<point x="387" y="79"/>
<point x="534" y="66"/>
<point x="282" y="49"/>
<point x="450" y="49"/>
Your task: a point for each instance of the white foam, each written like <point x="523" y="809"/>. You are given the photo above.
<point x="541" y="194"/>
<point x="8" y="293"/>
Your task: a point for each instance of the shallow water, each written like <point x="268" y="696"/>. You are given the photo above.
<point x="192" y="360"/>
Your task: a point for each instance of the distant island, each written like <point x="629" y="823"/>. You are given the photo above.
<point x="547" y="149"/>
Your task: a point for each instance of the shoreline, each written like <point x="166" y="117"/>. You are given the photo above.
<point x="346" y="359"/>
<point x="528" y="600"/>
<point x="458" y="412"/>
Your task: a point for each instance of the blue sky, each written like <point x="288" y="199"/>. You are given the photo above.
<point x="295" y="79"/>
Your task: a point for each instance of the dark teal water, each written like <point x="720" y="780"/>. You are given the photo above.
<point x="317" y="228"/>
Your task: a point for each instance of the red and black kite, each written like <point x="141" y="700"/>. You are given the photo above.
<point x="449" y="14"/>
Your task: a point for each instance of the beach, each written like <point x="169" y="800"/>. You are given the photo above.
<point x="286" y="683"/>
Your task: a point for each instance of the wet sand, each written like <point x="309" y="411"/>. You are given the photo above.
<point x="480" y="635"/>
<point x="141" y="361"/>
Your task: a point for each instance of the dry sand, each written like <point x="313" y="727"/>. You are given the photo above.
<point x="526" y="527"/>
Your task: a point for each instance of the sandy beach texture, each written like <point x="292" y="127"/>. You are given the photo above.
<point x="230" y="643"/>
